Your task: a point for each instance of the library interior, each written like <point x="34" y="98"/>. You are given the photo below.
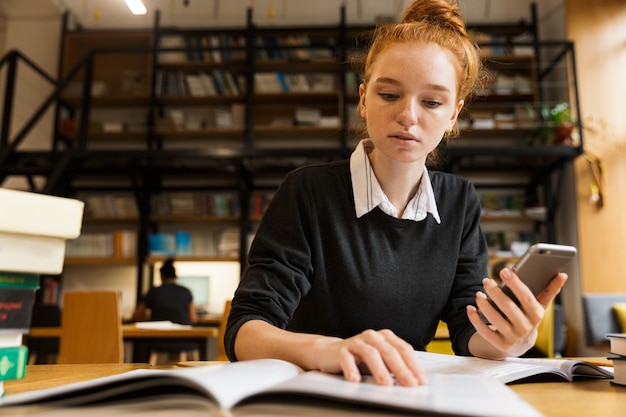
<point x="173" y="128"/>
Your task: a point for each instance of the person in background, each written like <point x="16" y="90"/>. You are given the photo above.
<point x="169" y="301"/>
<point x="356" y="262"/>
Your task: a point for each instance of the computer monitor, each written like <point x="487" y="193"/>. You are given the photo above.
<point x="199" y="287"/>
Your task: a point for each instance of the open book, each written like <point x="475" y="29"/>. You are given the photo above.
<point x="458" y="386"/>
<point x="267" y="387"/>
<point x="513" y="370"/>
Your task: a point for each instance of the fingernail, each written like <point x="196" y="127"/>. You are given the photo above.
<point x="353" y="376"/>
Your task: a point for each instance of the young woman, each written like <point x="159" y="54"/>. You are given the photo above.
<point x="356" y="262"/>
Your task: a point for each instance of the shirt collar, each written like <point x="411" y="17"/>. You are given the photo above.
<point x="368" y="193"/>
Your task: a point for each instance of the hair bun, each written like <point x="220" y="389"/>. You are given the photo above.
<point x="437" y="13"/>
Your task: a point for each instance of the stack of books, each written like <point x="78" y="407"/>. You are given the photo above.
<point x="618" y="355"/>
<point x="34" y="229"/>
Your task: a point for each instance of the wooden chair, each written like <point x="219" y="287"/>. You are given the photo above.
<point x="91" y="328"/>
<point x="221" y="351"/>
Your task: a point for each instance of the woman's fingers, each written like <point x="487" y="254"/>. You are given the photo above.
<point x="387" y="358"/>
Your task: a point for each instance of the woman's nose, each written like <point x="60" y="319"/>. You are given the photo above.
<point x="408" y="113"/>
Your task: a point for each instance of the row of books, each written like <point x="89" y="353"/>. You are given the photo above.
<point x="190" y="203"/>
<point x="224" y="47"/>
<point x="279" y="82"/>
<point x="259" y="201"/>
<point x="210" y="48"/>
<point x="213" y="117"/>
<point x="172" y="203"/>
<point x="293" y="48"/>
<point x="34" y="229"/>
<point x="118" y="244"/>
<point x="201" y="84"/>
<point x="223" y="241"/>
<point x="500" y="243"/>
<point x="502" y="202"/>
<point x="110" y="206"/>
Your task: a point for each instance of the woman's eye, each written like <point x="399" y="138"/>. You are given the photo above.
<point x="432" y="103"/>
<point x="388" y="96"/>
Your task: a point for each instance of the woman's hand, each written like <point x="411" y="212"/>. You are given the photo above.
<point x="380" y="353"/>
<point x="513" y="331"/>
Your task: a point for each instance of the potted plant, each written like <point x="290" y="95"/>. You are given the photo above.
<point x="560" y="124"/>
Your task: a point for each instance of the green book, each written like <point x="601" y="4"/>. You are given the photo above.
<point x="13" y="362"/>
<point x="18" y="280"/>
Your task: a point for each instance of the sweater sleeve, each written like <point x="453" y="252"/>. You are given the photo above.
<point x="472" y="267"/>
<point x="278" y="270"/>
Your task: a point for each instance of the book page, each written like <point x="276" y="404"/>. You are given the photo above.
<point x="459" y="395"/>
<point x="506" y="371"/>
<point x="572" y="367"/>
<point x="225" y="384"/>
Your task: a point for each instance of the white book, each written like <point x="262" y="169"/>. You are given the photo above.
<point x="267" y="82"/>
<point x="195" y="85"/>
<point x="39" y="214"/>
<point x="10" y="339"/>
<point x="32" y="253"/>
<point x="239" y="388"/>
<point x="208" y="84"/>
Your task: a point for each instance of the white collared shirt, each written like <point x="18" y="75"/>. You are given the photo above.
<point x="368" y="193"/>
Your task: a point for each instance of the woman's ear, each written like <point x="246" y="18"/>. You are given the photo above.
<point x="362" y="110"/>
<point x="455" y="115"/>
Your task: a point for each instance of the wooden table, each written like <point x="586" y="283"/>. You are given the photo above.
<point x="129" y="331"/>
<point x="553" y="399"/>
<point x="142" y="337"/>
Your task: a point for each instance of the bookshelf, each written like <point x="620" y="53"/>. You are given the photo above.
<point x="199" y="111"/>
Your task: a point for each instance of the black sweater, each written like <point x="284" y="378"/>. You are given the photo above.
<point x="315" y="268"/>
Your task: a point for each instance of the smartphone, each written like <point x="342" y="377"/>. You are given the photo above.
<point x="539" y="264"/>
<point x="537" y="267"/>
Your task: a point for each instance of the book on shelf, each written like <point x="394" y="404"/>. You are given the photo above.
<point x="99" y="245"/>
<point x="208" y="83"/>
<point x="195" y="85"/>
<point x="183" y="203"/>
<point x="125" y="243"/>
<point x="162" y="244"/>
<point x="283" y="388"/>
<point x="110" y="206"/>
<point x="229" y="242"/>
<point x="175" y="45"/>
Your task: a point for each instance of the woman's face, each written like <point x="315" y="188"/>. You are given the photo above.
<point x="409" y="102"/>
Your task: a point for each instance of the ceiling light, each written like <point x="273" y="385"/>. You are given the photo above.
<point x="136" y="6"/>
